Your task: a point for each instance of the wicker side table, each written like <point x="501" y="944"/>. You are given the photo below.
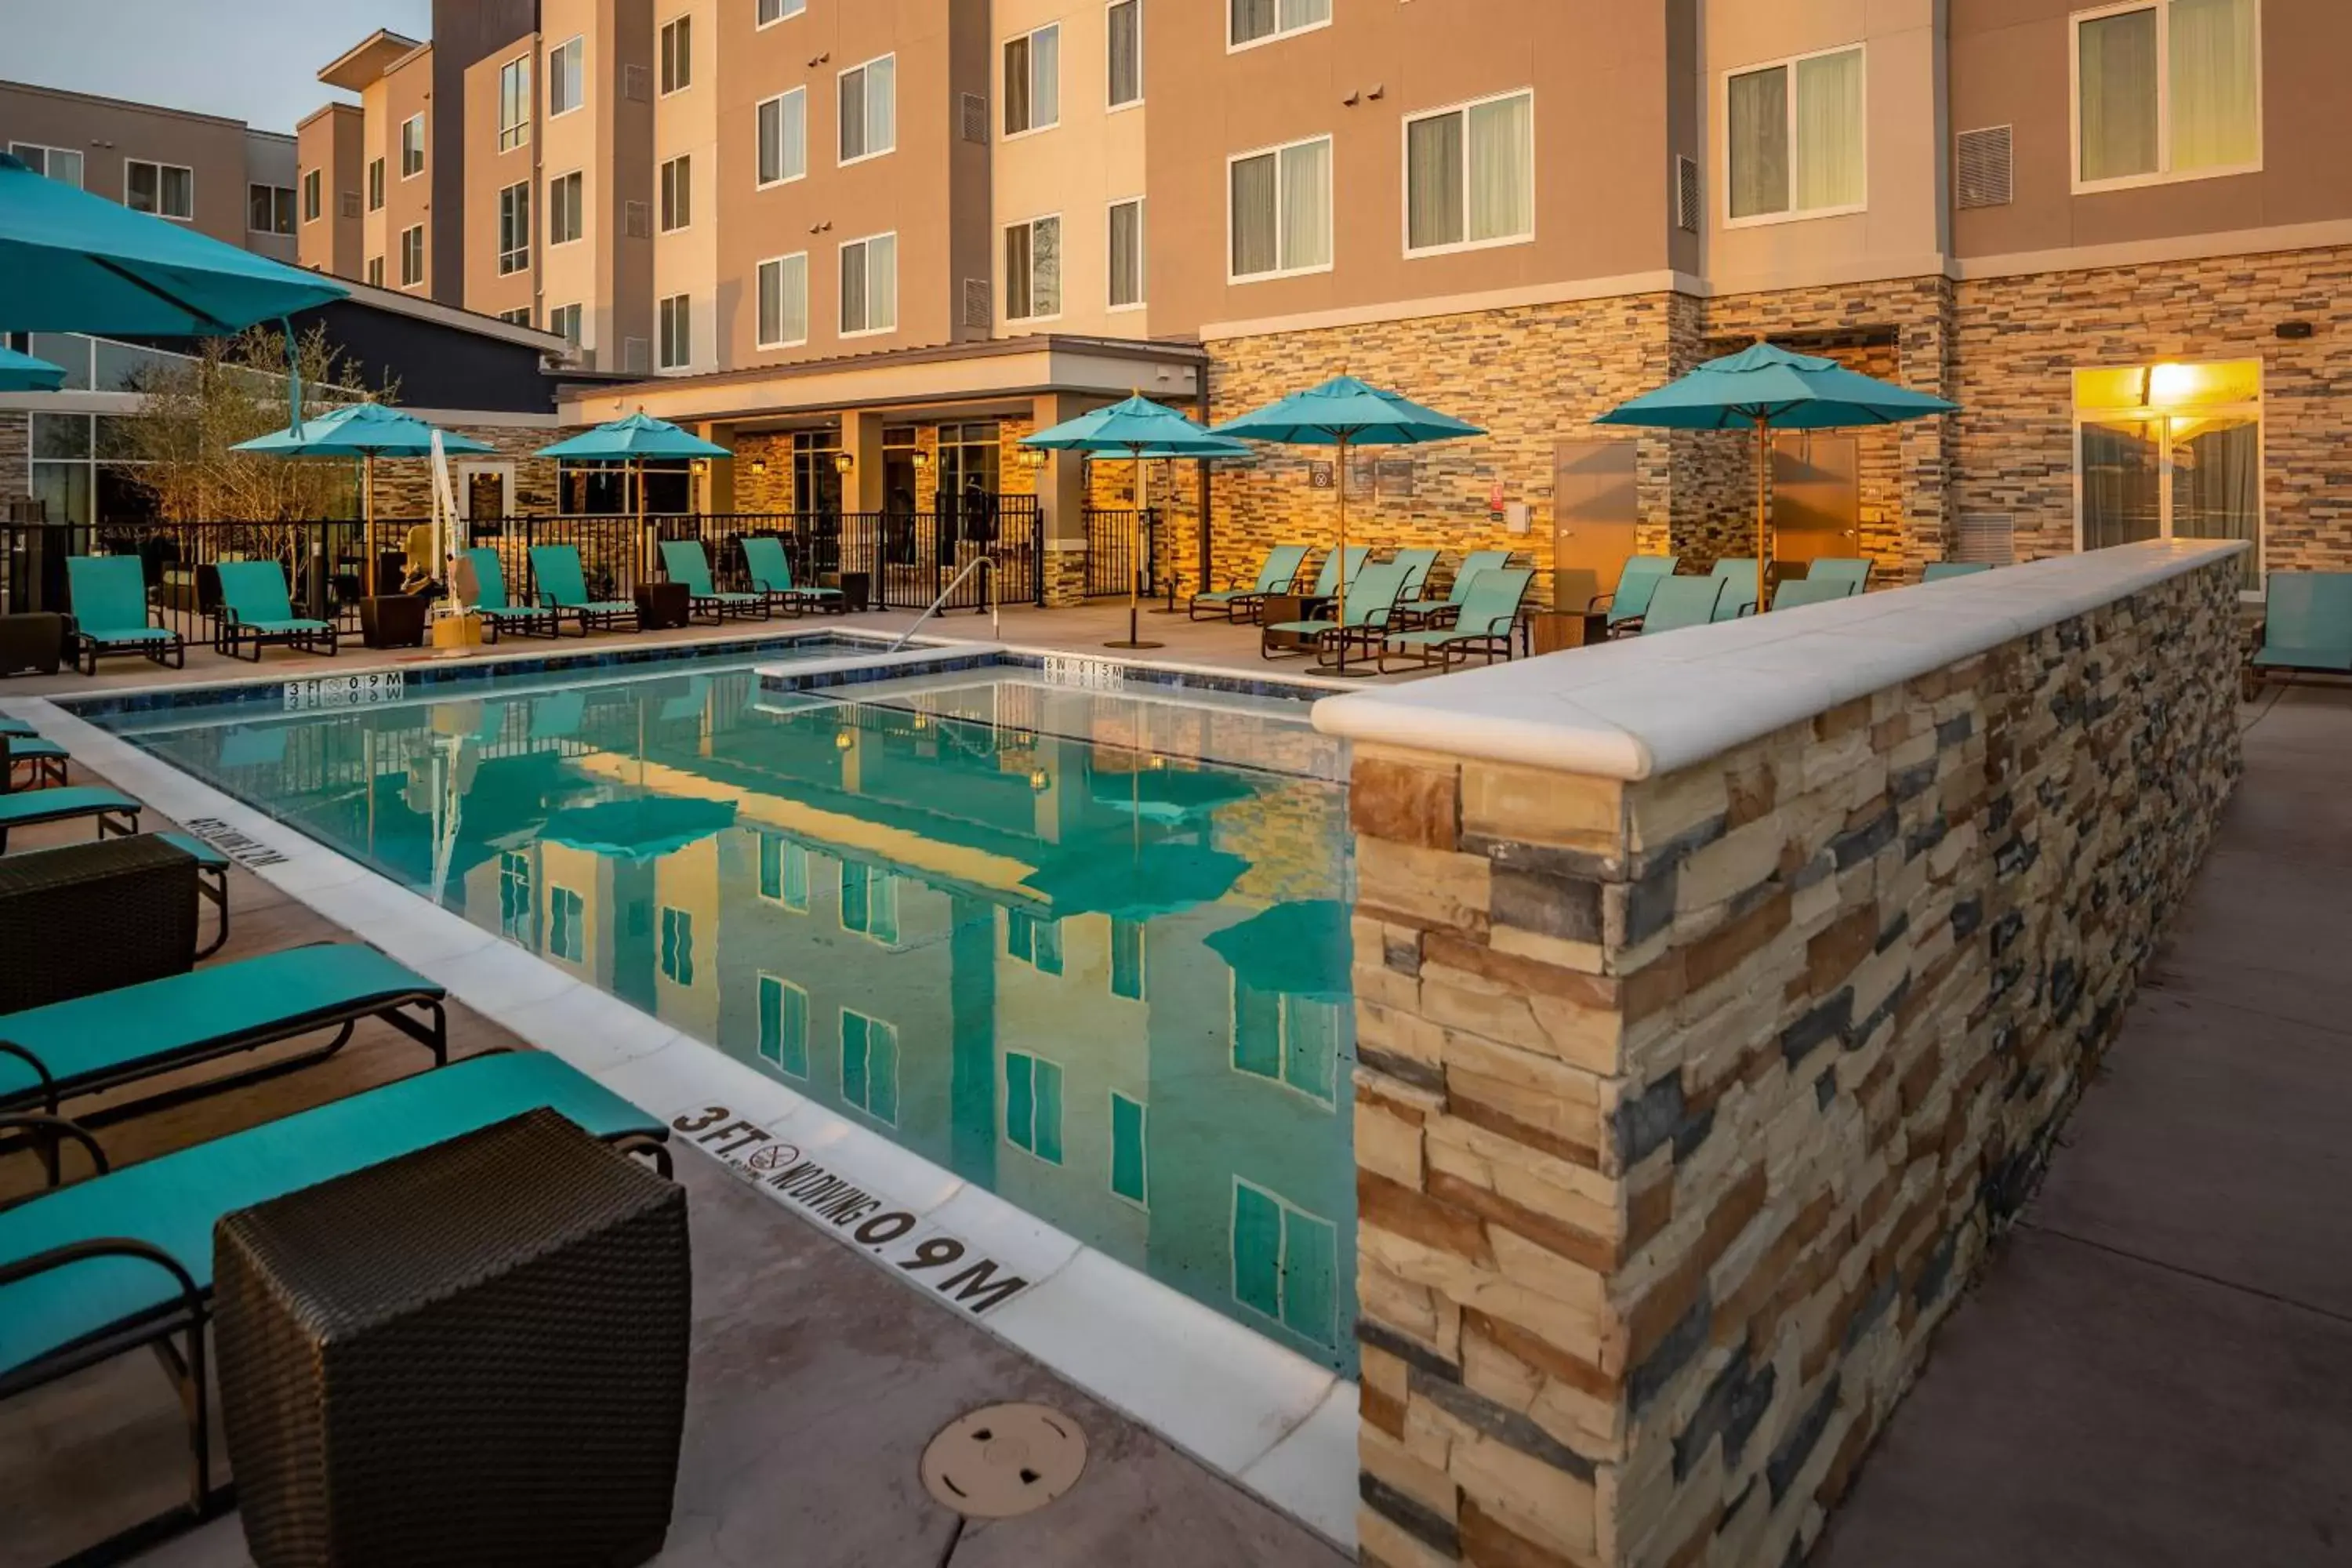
<point x="473" y="1353"/>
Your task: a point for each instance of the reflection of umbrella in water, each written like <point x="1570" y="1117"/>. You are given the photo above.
<point x="1170" y="795"/>
<point x="1156" y="879"/>
<point x="645" y="829"/>
<point x="1301" y="948"/>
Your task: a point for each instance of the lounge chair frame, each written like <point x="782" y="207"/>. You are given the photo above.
<point x="703" y="597"/>
<point x="233" y="631"/>
<point x="793" y="598"/>
<point x="84" y="648"/>
<point x="116" y="816"/>
<point x="1234" y="600"/>
<point x="531" y="620"/>
<point x="588" y="612"/>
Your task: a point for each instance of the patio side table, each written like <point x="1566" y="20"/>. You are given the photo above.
<point x="664" y="606"/>
<point x="392" y="620"/>
<point x="473" y="1353"/>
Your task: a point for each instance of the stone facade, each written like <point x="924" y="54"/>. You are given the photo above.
<point x="16" y="456"/>
<point x="403" y="486"/>
<point x="1686" y="1106"/>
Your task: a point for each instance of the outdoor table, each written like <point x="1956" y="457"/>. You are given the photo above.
<point x="31" y="642"/>
<point x="392" y="620"/>
<point x="1280" y="607"/>
<point x="1550" y="631"/>
<point x="663" y="607"/>
<point x="475" y="1353"/>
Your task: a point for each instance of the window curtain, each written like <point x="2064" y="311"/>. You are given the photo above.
<point x="783" y="302"/>
<point x="2117" y="87"/>
<point x="1828" y="155"/>
<point x="1252" y="19"/>
<point x="1254" y="213"/>
<point x="1126" y="52"/>
<point x="1304" y="13"/>
<point x="2215" y="69"/>
<point x="1046" y="76"/>
<point x="1016" y="272"/>
<point x="1018" y="116"/>
<point x="882" y="312"/>
<point x="1045" y="267"/>
<point x="2217" y="467"/>
<point x="881" y="105"/>
<point x="853" y="115"/>
<point x="1433" y="181"/>
<point x="1307" y="205"/>
<point x="1760" y="142"/>
<point x="1126" y="254"/>
<point x="1503" y="168"/>
<point x="2122" y="466"/>
<point x="853" y="320"/>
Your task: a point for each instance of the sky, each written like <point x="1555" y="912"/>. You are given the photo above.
<point x="255" y="60"/>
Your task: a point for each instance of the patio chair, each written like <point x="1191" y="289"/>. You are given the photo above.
<point x="1417" y="564"/>
<point x="770" y="570"/>
<point x="1853" y="571"/>
<point x="1738" y="575"/>
<point x="685" y="561"/>
<point x="1280" y="570"/>
<point x="122" y="1260"/>
<point x="1677" y="603"/>
<point x="1942" y="571"/>
<point x="1794" y="592"/>
<point x="1485" y="619"/>
<point x="2306" y="625"/>
<point x="109" y="609"/>
<point x="47" y="759"/>
<point x="1326" y="580"/>
<point x="1425" y="611"/>
<point x="254" y="610"/>
<point x="1371" y="600"/>
<point x="563" y="589"/>
<point x="491" y="602"/>
<point x="1628" y="602"/>
<point x="115" y="812"/>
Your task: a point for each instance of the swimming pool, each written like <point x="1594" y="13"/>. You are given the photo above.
<point x="1084" y="946"/>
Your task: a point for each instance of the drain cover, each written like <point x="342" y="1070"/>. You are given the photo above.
<point x="1004" y="1459"/>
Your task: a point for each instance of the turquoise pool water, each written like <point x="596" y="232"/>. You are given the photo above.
<point x="1087" y="949"/>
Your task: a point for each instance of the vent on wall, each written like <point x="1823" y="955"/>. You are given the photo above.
<point x="636" y="84"/>
<point x="350" y="203"/>
<point x="975" y="118"/>
<point x="1983" y="168"/>
<point x="1686" y="208"/>
<point x="636" y="220"/>
<point x="636" y="356"/>
<point x="977" y="302"/>
<point x="1987" y="536"/>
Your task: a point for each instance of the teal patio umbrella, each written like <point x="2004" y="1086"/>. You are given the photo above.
<point x="1137" y="430"/>
<point x="1343" y="413"/>
<point x="366" y="431"/>
<point x="1304" y="948"/>
<point x="1152" y="880"/>
<point x="645" y="827"/>
<point x="631" y="439"/>
<point x="1168" y="794"/>
<point x="1772" y="389"/>
<point x="23" y="373"/>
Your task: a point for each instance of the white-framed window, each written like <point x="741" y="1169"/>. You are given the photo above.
<point x="1125" y="47"/>
<point x="2171" y="451"/>
<point x="1261" y="21"/>
<point x="313" y="196"/>
<point x="1297" y="1041"/>
<point x="678" y="945"/>
<point x="167" y="190"/>
<point x="514" y="103"/>
<point x="411" y="255"/>
<point x="869" y="108"/>
<point x="516" y="907"/>
<point x="1278" y="211"/>
<point x="784" y="873"/>
<point x="1130" y="959"/>
<point x="566" y="207"/>
<point x="1032" y="269"/>
<point x="269" y="209"/>
<point x="1036" y="942"/>
<point x="563" y="320"/>
<point x="376" y="271"/>
<point x="869" y="901"/>
<point x="1032" y="82"/>
<point x="870" y="1064"/>
<point x="412" y="146"/>
<point x="567" y="925"/>
<point x="1126" y="254"/>
<point x="62" y="164"/>
<point x="674" y="321"/>
<point x="514" y="227"/>
<point x="1794" y="137"/>
<point x="375" y="186"/>
<point x="782" y="123"/>
<point x="566" y="88"/>
<point x="519" y="316"/>
<point x="2167" y="89"/>
<point x="783" y="316"/>
<point x="1470" y="175"/>
<point x="1032" y="1105"/>
<point x="783" y="1026"/>
<point x="677" y="193"/>
<point x="869" y="285"/>
<point x="1130" y="1158"/>
<point x="676" y="55"/>
<point x="1285" y="1262"/>
<point x="774" y="11"/>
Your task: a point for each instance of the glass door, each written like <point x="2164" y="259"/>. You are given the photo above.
<point x="2171" y="451"/>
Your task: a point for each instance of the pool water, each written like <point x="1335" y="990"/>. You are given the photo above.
<point x="1087" y="949"/>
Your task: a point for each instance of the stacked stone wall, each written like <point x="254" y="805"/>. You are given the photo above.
<point x="15" y="454"/>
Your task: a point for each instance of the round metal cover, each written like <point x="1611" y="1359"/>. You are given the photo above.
<point x="1004" y="1459"/>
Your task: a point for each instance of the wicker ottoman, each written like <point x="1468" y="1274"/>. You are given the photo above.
<point x="471" y="1354"/>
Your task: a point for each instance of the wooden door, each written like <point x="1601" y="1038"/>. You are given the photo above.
<point x="1596" y="504"/>
<point x="1816" y="497"/>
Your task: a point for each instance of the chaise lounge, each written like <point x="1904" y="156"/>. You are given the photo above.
<point x="563" y="590"/>
<point x="110" y="614"/>
<point x="254" y="610"/>
<point x="1278" y="573"/>
<point x="1483" y="624"/>
<point x="770" y="573"/>
<point x="495" y="606"/>
<point x="685" y="561"/>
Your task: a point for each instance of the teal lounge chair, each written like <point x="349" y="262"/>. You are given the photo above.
<point x="1279" y="571"/>
<point x="1794" y="592"/>
<point x="1852" y="571"/>
<point x="45" y="758"/>
<point x="116" y="811"/>
<point x="685" y="561"/>
<point x="1943" y="571"/>
<point x="1424" y="611"/>
<point x="1417" y="564"/>
<point x="498" y="611"/>
<point x="254" y="610"/>
<point x="109" y="613"/>
<point x="1630" y="600"/>
<point x="1371" y="600"/>
<point x="1679" y="602"/>
<point x="563" y="589"/>
<point x="211" y="883"/>
<point x="1487" y="617"/>
<point x="123" y="1261"/>
<point x="770" y="570"/>
<point x="2306" y="625"/>
<point x="1326" y="580"/>
<point x="1738" y="575"/>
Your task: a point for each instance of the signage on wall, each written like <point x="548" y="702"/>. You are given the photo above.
<point x="1319" y="476"/>
<point x="362" y="690"/>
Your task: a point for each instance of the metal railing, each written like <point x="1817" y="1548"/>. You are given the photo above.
<point x="981" y="565"/>
<point x="1122" y="549"/>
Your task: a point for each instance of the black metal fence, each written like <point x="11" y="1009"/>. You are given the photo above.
<point x="1123" y="549"/>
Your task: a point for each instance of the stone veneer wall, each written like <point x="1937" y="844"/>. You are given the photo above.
<point x="15" y="458"/>
<point x="1686" y="1106"/>
<point x="403" y="486"/>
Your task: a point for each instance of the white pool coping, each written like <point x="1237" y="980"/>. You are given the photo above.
<point x="1643" y="706"/>
<point x="1272" y="1420"/>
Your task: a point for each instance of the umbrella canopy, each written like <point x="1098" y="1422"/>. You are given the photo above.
<point x="1300" y="949"/>
<point x="1155" y="880"/>
<point x="73" y="262"/>
<point x="636" y="435"/>
<point x="361" y="430"/>
<point x="23" y="373"/>
<point x="1168" y="794"/>
<point x="645" y="827"/>
<point x="1345" y="411"/>
<point x="1136" y="427"/>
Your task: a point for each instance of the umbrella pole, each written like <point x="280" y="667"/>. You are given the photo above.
<point x="1763" y="513"/>
<point x="1134" y="530"/>
<point x="1340" y="619"/>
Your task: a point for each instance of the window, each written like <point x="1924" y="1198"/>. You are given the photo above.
<point x="1126" y="53"/>
<point x="2171" y="451"/>
<point x="869" y="1066"/>
<point x="783" y="316"/>
<point x="519" y="316"/>
<point x="1470" y="175"/>
<point x="1036" y="942"/>
<point x="772" y="11"/>
<point x="1285" y="1262"/>
<point x="411" y="255"/>
<point x="784" y="137"/>
<point x="269" y="209"/>
<point x="376" y="271"/>
<point x="565" y="204"/>
<point x="869" y="285"/>
<point x="514" y="227"/>
<point x="1126" y="253"/>
<point x="1032" y="269"/>
<point x="1129" y="1158"/>
<point x="784" y="873"/>
<point x="2167" y="91"/>
<point x="1254" y="21"/>
<point x="563" y="320"/>
<point x="167" y="190"/>
<point x="677" y="55"/>
<point x="676" y="324"/>
<point x="1288" y="1039"/>
<point x="565" y="85"/>
<point x="677" y="193"/>
<point x="1129" y="963"/>
<point x="375" y="186"/>
<point x="869" y="110"/>
<point x="783" y="1026"/>
<point x="1793" y="133"/>
<point x="678" y="945"/>
<point x="313" y="198"/>
<point x="412" y="146"/>
<point x="515" y="907"/>
<point x="62" y="164"/>
<point x="1032" y="1105"/>
<point x="1032" y="82"/>
<point x="567" y="936"/>
<point x="514" y="103"/>
<point x="869" y="901"/>
<point x="1281" y="213"/>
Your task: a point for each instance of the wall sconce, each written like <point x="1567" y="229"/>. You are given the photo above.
<point x="843" y="740"/>
<point x="760" y="467"/>
<point x="844" y="461"/>
<point x="1040" y="781"/>
<point x="1032" y="458"/>
<point x="921" y="458"/>
<point x="701" y="465"/>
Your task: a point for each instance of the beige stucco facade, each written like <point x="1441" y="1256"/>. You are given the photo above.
<point x="686" y="126"/>
<point x="330" y="142"/>
<point x="492" y="169"/>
